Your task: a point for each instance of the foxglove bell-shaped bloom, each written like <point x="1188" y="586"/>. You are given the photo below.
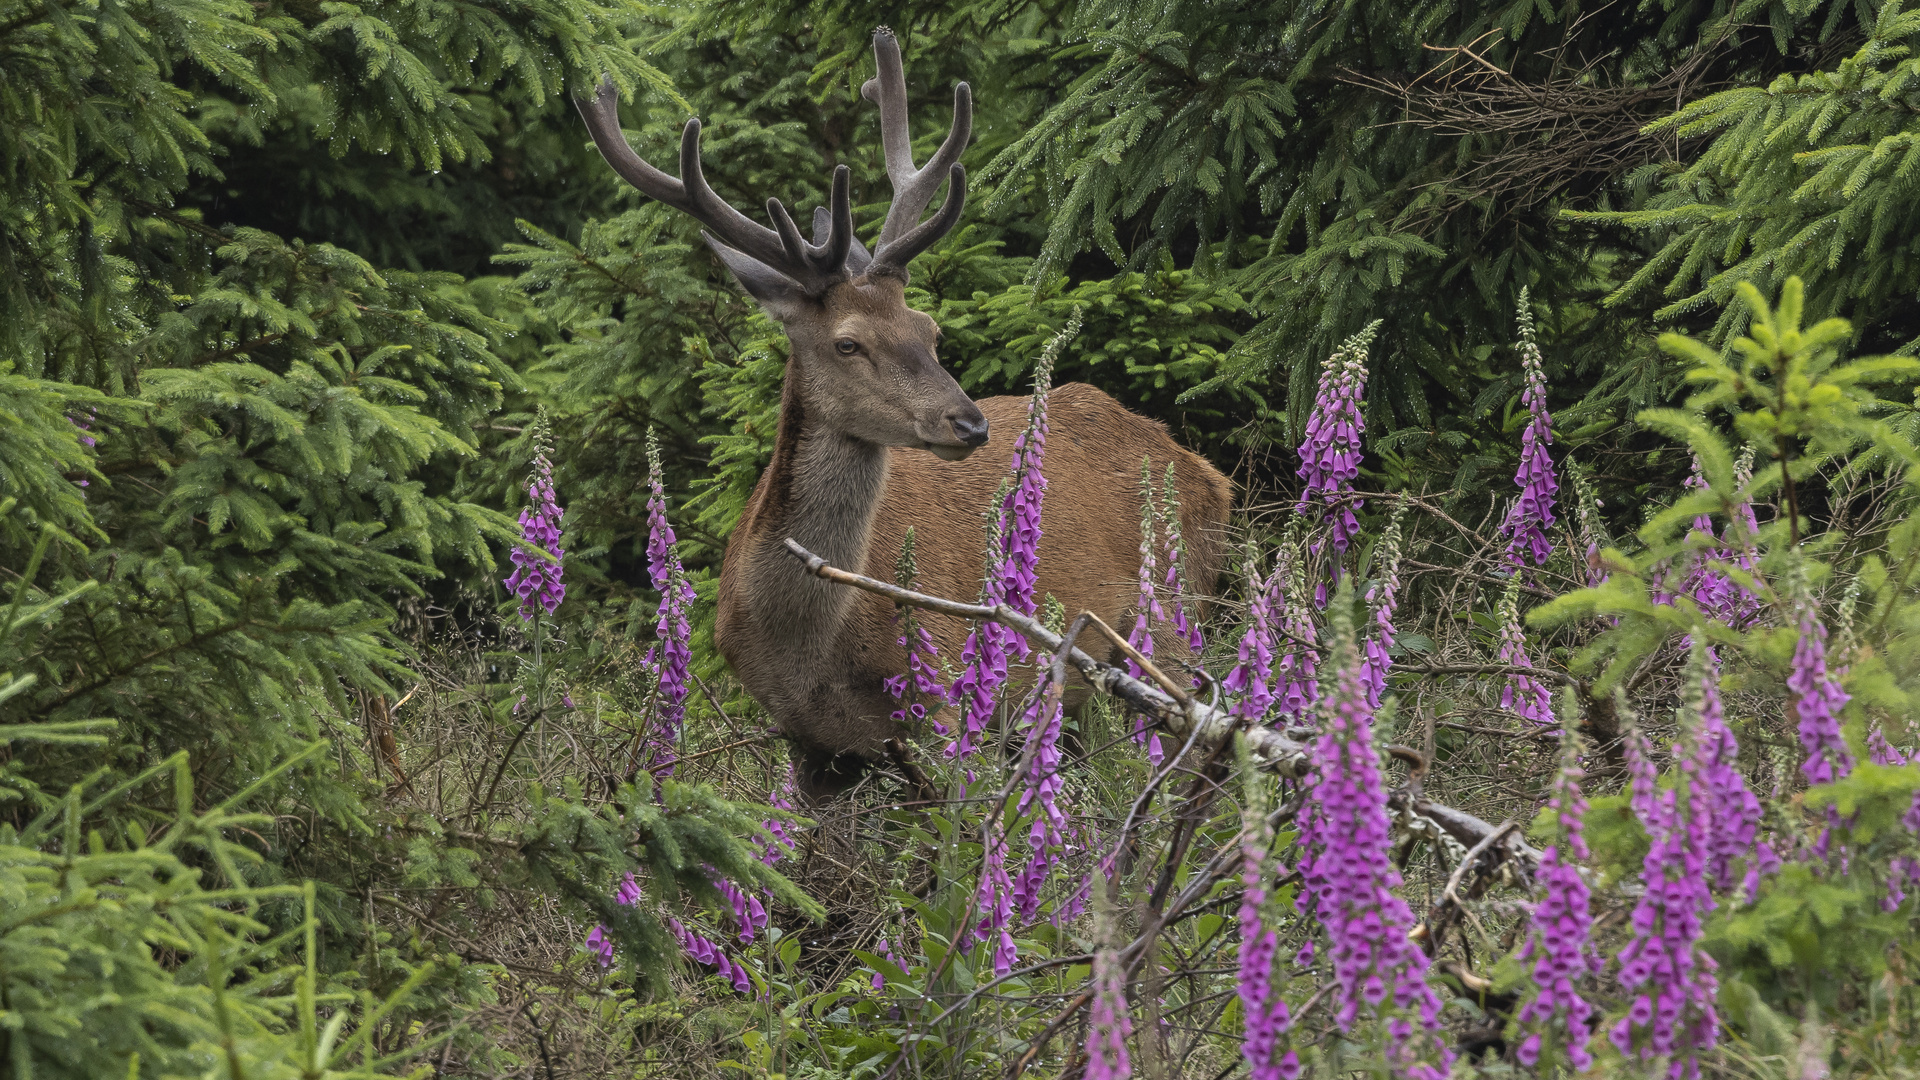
<point x="1531" y="516"/>
<point x="994" y="901"/>
<point x="782" y="842"/>
<point x="1349" y="878"/>
<point x="1021" y="510"/>
<point x="600" y="946"/>
<point x="1670" y="977"/>
<point x="1296" y="674"/>
<point x="983" y="670"/>
<point x="1249" y="686"/>
<point x="1560" y="938"/>
<point x="628" y="892"/>
<point x="1382" y="600"/>
<point x="1013" y="561"/>
<point x="671" y="656"/>
<point x="1108" y="1025"/>
<point x="599" y="940"/>
<point x="1709" y="588"/>
<point x="713" y="956"/>
<point x="1330" y="454"/>
<point x="749" y="915"/>
<point x="536" y="576"/>
<point x="1265" y="1010"/>
<point x="1903" y="871"/>
<point x="921" y="684"/>
<point x="1041" y="789"/>
<point x="1524" y="695"/>
<point x="885" y="951"/>
<point x="1734" y="810"/>
<point x="1817" y="696"/>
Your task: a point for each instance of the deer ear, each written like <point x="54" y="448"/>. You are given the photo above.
<point x="780" y="295"/>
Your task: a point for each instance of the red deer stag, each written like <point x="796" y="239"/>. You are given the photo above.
<point x="875" y="436"/>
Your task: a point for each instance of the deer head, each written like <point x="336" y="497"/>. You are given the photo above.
<point x="867" y="364"/>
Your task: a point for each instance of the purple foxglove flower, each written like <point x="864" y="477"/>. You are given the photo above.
<point x="1047" y="836"/>
<point x="1559" y="940"/>
<point x="1296" y="673"/>
<point x="600" y="939"/>
<point x="782" y="842"/>
<point x="886" y="952"/>
<point x="1734" y="810"/>
<point x="1882" y="752"/>
<point x="1174" y="554"/>
<point x="983" y="670"/>
<point x="1349" y="877"/>
<point x="1108" y="1025"/>
<point x="1013" y="560"/>
<point x="1330" y="454"/>
<point x="536" y="577"/>
<point x="1903" y="871"/>
<point x="1817" y="696"/>
<point x="84" y="424"/>
<point x="600" y="946"/>
<point x="671" y="655"/>
<point x="994" y="900"/>
<point x="1249" y="686"/>
<point x="921" y="683"/>
<point x="1382" y="601"/>
<point x="1523" y="695"/>
<point x="1670" y="977"/>
<point x="629" y="891"/>
<point x="1709" y="588"/>
<point x="1531" y="517"/>
<point x="1149" y="612"/>
<point x="1267" y="1019"/>
<point x="749" y="915"/>
<point x="706" y="952"/>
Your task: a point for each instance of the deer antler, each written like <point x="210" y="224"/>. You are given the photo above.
<point x="814" y="267"/>
<point x="904" y="235"/>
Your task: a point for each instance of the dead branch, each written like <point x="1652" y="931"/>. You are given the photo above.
<point x="1547" y="132"/>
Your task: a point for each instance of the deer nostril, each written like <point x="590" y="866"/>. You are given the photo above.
<point x="969" y="425"/>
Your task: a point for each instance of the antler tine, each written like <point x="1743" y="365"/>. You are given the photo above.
<point x="814" y="267"/>
<point x="603" y="123"/>
<point x="913" y="188"/>
<point x="729" y="226"/>
<point x="826" y="261"/>
<point x="894" y="257"/>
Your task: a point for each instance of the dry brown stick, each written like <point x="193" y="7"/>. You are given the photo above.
<point x="1146" y="664"/>
<point x="751" y="740"/>
<point x="1451" y="894"/>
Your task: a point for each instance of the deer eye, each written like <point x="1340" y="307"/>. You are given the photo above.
<point x="847" y="346"/>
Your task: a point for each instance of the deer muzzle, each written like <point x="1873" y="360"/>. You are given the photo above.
<point x="967" y="426"/>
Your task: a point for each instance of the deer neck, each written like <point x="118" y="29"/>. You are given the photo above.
<point x="822" y="489"/>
